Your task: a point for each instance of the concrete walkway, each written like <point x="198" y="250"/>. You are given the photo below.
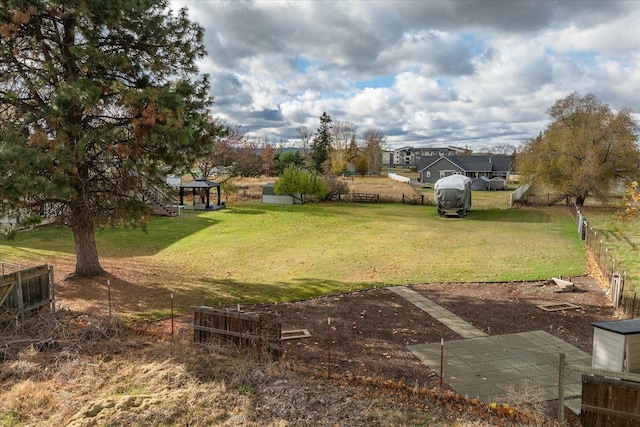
<point x="498" y="368"/>
<point x="507" y="368"/>
<point x="450" y="320"/>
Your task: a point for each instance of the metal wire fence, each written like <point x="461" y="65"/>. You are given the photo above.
<point x="527" y="368"/>
<point x="613" y="272"/>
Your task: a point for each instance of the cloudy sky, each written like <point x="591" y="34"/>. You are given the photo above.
<point x="427" y="73"/>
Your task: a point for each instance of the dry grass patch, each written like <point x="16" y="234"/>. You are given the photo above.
<point x="390" y="191"/>
<point x="139" y="377"/>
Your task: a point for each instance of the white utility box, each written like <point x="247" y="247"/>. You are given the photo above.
<point x="616" y="345"/>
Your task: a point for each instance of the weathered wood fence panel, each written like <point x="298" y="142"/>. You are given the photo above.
<point x="261" y="331"/>
<point x="29" y="289"/>
<point x="609" y="402"/>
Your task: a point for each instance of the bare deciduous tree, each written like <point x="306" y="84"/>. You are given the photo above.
<point x="305" y="134"/>
<point x="374" y="143"/>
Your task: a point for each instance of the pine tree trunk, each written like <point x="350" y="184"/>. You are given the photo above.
<point x="87" y="262"/>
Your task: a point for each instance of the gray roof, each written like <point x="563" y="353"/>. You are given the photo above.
<point x="200" y="183"/>
<point x="624" y="327"/>
<point x="471" y="163"/>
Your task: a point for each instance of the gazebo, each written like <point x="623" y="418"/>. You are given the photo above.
<point x="197" y="184"/>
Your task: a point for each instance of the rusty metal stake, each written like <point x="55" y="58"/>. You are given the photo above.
<point x="329" y="348"/>
<point x="171" y="316"/>
<point x="109" y="295"/>
<point x="441" y="359"/>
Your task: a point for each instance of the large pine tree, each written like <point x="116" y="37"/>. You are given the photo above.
<point x="96" y="96"/>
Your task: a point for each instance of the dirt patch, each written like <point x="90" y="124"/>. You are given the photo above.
<point x="370" y="330"/>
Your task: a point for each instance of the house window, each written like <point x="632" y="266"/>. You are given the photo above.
<point x="443" y="174"/>
<point x="428" y="174"/>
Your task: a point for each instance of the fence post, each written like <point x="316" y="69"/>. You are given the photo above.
<point x="441" y="359"/>
<point x="599" y="252"/>
<point x="109" y="295"/>
<point x="580" y="221"/>
<point x="19" y="291"/>
<point x="613" y="267"/>
<point x="52" y="296"/>
<point x="329" y="348"/>
<point x="561" y="389"/>
<point x="171" y="316"/>
<point x="585" y="230"/>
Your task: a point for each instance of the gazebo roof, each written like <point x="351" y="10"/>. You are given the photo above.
<point x="200" y="183"/>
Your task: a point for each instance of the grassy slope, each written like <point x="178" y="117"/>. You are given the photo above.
<point x="253" y="252"/>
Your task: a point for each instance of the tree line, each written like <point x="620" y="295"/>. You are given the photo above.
<point x="332" y="148"/>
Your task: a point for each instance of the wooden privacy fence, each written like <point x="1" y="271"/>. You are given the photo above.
<point x="29" y="289"/>
<point x="609" y="402"/>
<point x="260" y="331"/>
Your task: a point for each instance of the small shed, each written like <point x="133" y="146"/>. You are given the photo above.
<point x="497" y="183"/>
<point x="616" y="345"/>
<point x="200" y="184"/>
<point x="269" y="196"/>
<point x="481" y="183"/>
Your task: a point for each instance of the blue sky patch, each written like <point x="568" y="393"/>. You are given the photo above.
<point x="303" y="64"/>
<point x="377" y="82"/>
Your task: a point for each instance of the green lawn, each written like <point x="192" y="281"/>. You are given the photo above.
<point x="253" y="252"/>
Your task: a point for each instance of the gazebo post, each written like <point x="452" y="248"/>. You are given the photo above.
<point x="208" y="190"/>
<point x="218" y="195"/>
<point x="193" y="192"/>
<point x="181" y="196"/>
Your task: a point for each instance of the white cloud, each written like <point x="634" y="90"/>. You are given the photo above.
<point x="468" y="73"/>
